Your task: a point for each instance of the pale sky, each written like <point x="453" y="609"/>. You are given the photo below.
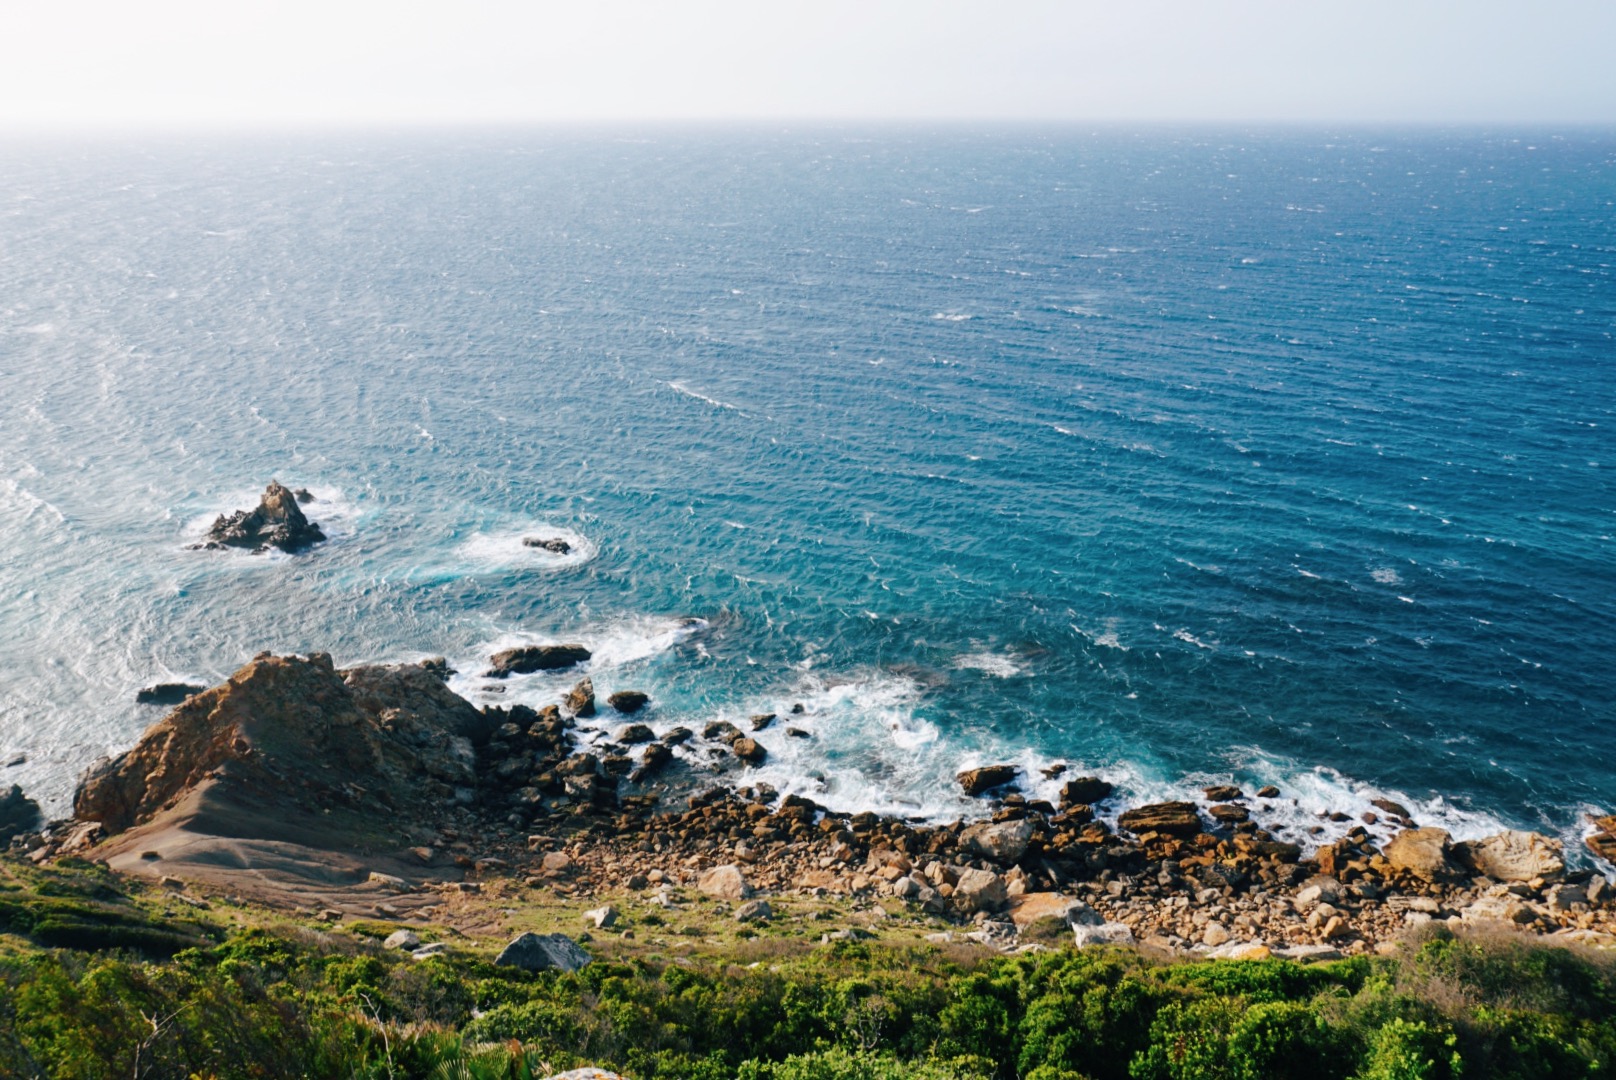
<point x="248" y="63"/>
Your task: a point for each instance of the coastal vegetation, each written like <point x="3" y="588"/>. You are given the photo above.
<point x="103" y="977"/>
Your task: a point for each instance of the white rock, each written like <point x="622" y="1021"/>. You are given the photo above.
<point x="602" y="917"/>
<point x="1111" y="933"/>
<point x="402" y="939"/>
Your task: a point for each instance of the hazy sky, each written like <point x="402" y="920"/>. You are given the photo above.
<point x="243" y="62"/>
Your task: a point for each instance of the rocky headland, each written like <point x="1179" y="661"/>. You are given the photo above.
<point x="276" y="522"/>
<point x="377" y="789"/>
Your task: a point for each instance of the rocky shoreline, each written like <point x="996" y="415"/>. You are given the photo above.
<point x="386" y="767"/>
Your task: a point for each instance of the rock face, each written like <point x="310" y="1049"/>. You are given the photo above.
<point x="554" y="545"/>
<point x="748" y="750"/>
<point x="544" y="952"/>
<point x="1420" y="853"/>
<point x="1514" y="856"/>
<point x="18" y="814"/>
<point x="1005" y="843"/>
<point x="976" y="781"/>
<point x="527" y="659"/>
<point x="168" y="693"/>
<point x="628" y="702"/>
<point x="297" y="731"/>
<point x="1603" y="841"/>
<point x="1172" y="818"/>
<point x="277" y="522"/>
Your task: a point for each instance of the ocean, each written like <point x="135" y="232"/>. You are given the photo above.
<point x="1177" y="456"/>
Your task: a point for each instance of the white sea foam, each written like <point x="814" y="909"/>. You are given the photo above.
<point x="619" y="648"/>
<point x="950" y="316"/>
<point x="504" y="549"/>
<point x="681" y="388"/>
<point x="998" y="664"/>
<point x="1386" y="575"/>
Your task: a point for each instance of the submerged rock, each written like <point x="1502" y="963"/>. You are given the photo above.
<point x="168" y="693"/>
<point x="527" y="659"/>
<point x="277" y="522"/>
<point x="554" y="545"/>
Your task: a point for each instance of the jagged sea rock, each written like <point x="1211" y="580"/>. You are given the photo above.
<point x="18" y="814"/>
<point x="1003" y="842"/>
<point x="1084" y="791"/>
<point x="544" y="952"/>
<point x="580" y="700"/>
<point x="1173" y="818"/>
<point x="988" y="777"/>
<point x="634" y="734"/>
<point x="749" y="750"/>
<point x="277" y="521"/>
<point x="554" y="545"/>
<point x="168" y="693"/>
<point x="628" y="702"/>
<point x="1514" y="855"/>
<point x="526" y="659"/>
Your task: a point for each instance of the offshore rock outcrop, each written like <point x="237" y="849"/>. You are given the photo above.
<point x="276" y="522"/>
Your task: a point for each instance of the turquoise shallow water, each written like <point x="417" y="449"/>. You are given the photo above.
<point x="1276" y="456"/>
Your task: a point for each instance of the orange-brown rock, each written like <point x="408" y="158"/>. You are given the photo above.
<point x="298" y="731"/>
<point x="1171" y="818"/>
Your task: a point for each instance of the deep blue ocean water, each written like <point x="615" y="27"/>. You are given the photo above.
<point x="1279" y="456"/>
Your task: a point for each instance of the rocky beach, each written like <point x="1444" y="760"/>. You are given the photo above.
<point x="309" y="787"/>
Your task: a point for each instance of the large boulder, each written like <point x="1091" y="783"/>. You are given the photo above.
<point x="277" y="521"/>
<point x="725" y="883"/>
<point x="544" y="952"/>
<point x="526" y="659"/>
<point x="1514" y="855"/>
<point x="18" y="814"/>
<point x="1028" y="908"/>
<point x="979" y="890"/>
<point x="1084" y="791"/>
<point x="628" y="702"/>
<point x="976" y="781"/>
<point x="1420" y="853"/>
<point x="1172" y="818"/>
<point x="1004" y="842"/>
